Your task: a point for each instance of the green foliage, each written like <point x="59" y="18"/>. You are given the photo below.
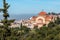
<point x="5" y="32"/>
<point x="51" y="24"/>
<point x="24" y="33"/>
<point x="52" y="32"/>
<point x="57" y="21"/>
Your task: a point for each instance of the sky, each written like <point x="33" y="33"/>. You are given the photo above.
<point x="32" y="6"/>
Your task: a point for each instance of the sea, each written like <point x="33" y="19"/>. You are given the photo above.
<point x="19" y="16"/>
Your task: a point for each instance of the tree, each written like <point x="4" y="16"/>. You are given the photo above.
<point x="51" y="24"/>
<point x="5" y="21"/>
<point x="57" y="21"/>
<point x="5" y="11"/>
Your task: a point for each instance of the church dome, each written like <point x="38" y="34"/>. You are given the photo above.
<point x="42" y="13"/>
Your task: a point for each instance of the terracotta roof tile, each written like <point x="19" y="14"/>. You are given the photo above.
<point x="42" y="13"/>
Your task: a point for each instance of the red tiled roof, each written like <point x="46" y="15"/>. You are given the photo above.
<point x="42" y="13"/>
<point x="34" y="17"/>
<point x="48" y="17"/>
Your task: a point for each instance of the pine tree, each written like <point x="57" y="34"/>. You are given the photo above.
<point x="5" y="20"/>
<point x="5" y="13"/>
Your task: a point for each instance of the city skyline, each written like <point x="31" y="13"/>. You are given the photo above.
<point x="32" y="6"/>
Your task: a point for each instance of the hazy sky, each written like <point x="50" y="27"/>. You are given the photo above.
<point x="32" y="6"/>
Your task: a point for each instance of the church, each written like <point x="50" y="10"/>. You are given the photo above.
<point x="41" y="19"/>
